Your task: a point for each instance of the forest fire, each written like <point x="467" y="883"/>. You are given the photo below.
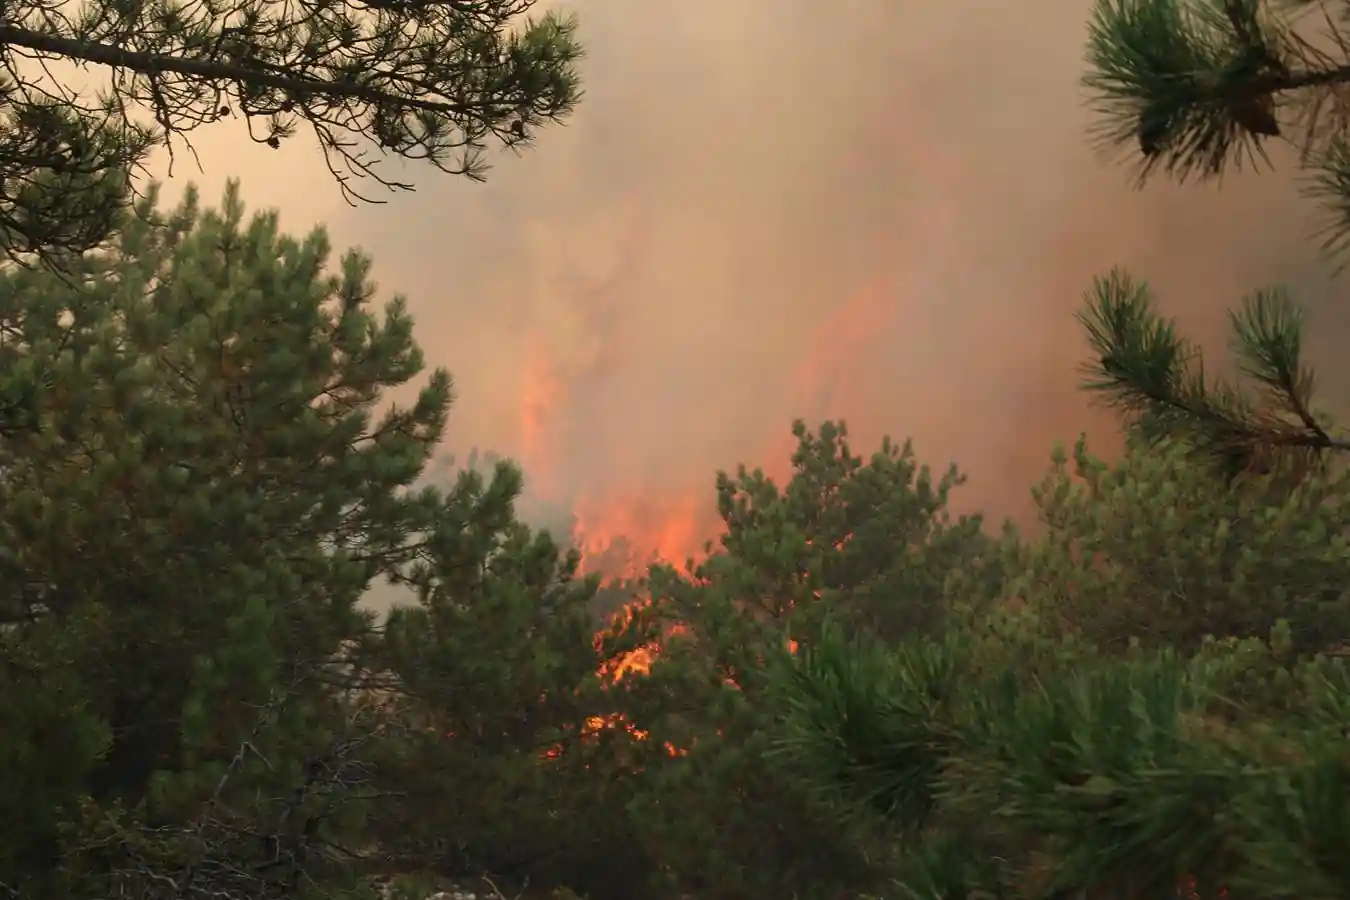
<point x="618" y="538"/>
<point x="618" y="535"/>
<point x="619" y="529"/>
<point x="637" y="662"/>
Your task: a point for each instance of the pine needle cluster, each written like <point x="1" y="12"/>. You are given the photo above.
<point x="1194" y="88"/>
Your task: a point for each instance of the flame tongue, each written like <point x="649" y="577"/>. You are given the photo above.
<point x="619" y="537"/>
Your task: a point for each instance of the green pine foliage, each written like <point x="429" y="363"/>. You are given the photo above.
<point x="498" y="760"/>
<point x="855" y="692"/>
<point x="1264" y="422"/>
<point x="1194" y="88"/>
<point x="202" y="474"/>
<point x="199" y="494"/>
<point x="1155" y="701"/>
<point x="868" y="538"/>
<point x="1119" y="775"/>
<point x="1154" y="706"/>
<point x="1147" y="550"/>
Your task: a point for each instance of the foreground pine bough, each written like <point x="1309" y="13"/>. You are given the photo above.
<point x="1226" y="772"/>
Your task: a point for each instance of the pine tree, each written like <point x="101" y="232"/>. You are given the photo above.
<point x="501" y="756"/>
<point x="197" y="497"/>
<point x="868" y="540"/>
<point x="433" y="80"/>
<point x="1146" y="551"/>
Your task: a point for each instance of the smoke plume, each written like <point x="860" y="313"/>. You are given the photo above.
<point x="878" y="210"/>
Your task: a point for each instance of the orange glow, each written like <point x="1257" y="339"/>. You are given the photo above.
<point x="820" y="381"/>
<point x="620" y="536"/>
<point x="638" y="661"/>
<point x="623" y="524"/>
<point x="1189" y="890"/>
<point x="597" y="725"/>
<point x="541" y="390"/>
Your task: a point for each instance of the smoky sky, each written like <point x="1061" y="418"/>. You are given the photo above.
<point x="884" y="211"/>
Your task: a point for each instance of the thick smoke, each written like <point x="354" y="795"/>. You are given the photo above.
<point x="881" y="210"/>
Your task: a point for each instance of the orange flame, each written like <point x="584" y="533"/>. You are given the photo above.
<point x="618" y="537"/>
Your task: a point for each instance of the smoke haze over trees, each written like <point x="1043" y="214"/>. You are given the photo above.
<point x="633" y="635"/>
<point x="693" y="280"/>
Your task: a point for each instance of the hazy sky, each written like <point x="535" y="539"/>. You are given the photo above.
<point x="881" y="210"/>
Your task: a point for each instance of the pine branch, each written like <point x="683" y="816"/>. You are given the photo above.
<point x="429" y="80"/>
<point x="866" y="724"/>
<point x="1330" y="186"/>
<point x="254" y="73"/>
<point x="1199" y="86"/>
<point x="1193" y="82"/>
<point x="1268" y="342"/>
<point x="1156" y="379"/>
